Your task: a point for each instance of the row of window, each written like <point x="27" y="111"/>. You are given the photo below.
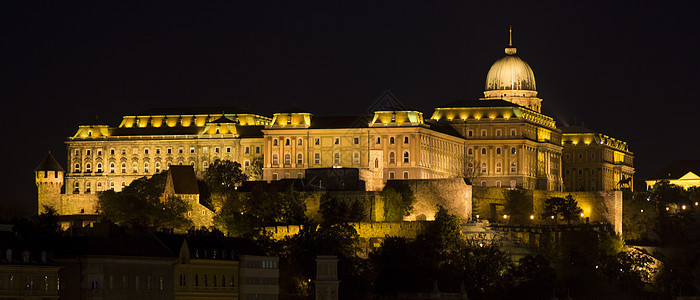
<point x="497" y="132"/>
<point x="336" y="141"/>
<point x="29" y="282"/>
<point x="207" y="282"/>
<point x="513" y="151"/>
<point x="95" y="282"/>
<point x="336" y="158"/>
<point x="483" y="167"/>
<point x="180" y="150"/>
<point x="99" y="187"/>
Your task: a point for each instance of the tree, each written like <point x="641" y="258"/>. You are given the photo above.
<point x="445" y="232"/>
<point x="255" y="169"/>
<point x="398" y="201"/>
<point x="533" y="276"/>
<point x="334" y="210"/>
<point x="566" y="208"/>
<point x="518" y="206"/>
<point x="223" y="176"/>
<point x="142" y="204"/>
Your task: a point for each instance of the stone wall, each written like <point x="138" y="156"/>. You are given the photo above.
<point x="366" y="230"/>
<point x="603" y="206"/>
<point x="453" y="194"/>
<point x="75" y="204"/>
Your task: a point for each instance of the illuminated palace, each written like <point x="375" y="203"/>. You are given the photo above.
<point x="500" y="140"/>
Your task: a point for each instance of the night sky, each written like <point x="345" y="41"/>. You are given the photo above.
<point x="627" y="70"/>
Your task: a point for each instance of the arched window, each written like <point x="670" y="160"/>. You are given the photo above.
<point x="205" y="280"/>
<point x="99" y="186"/>
<point x="275" y="159"/>
<point x="405" y="157"/>
<point x="405" y="175"/>
<point x="287" y="142"/>
<point x="287" y="159"/>
<point x="392" y="157"/>
<point x="157" y="166"/>
<point x="213" y="281"/>
<point x="145" y="167"/>
<point x="87" y="187"/>
<point x="498" y="183"/>
<point x="300" y="158"/>
<point x="512" y="150"/>
<point x="498" y="151"/>
<point x="76" y="188"/>
<point x="274" y="176"/>
<point x="223" y="280"/>
<point x="376" y="163"/>
<point x="111" y="167"/>
<point x="483" y="183"/>
<point x="391" y="175"/>
<point x="470" y="151"/>
<point x="300" y="141"/>
<point x="123" y="184"/>
<point x="391" y="140"/>
<point x="111" y="185"/>
<point x="378" y="140"/>
<point x="405" y="140"/>
<point x="76" y="168"/>
<point x="135" y="167"/>
<point x="483" y="151"/>
<point x="123" y="167"/>
<point x="99" y="167"/>
<point x="274" y="142"/>
<point x="196" y="280"/>
<point x="88" y="168"/>
<point x="205" y="165"/>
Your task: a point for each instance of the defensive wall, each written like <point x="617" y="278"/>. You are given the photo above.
<point x="366" y="230"/>
<point x="597" y="206"/>
<point x="452" y="194"/>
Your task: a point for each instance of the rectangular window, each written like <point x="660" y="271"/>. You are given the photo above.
<point x="99" y="152"/>
<point x="336" y="141"/>
<point x="356" y="158"/>
<point x="247" y="150"/>
<point x="317" y="141"/>
<point x="191" y="150"/>
<point x="169" y="151"/>
<point x="205" y="150"/>
<point x="512" y="132"/>
<point x="89" y="152"/>
<point x="77" y="152"/>
<point x="257" y="149"/>
<point x="228" y="149"/>
<point x="216" y="149"/>
<point x="157" y="150"/>
<point x="356" y="140"/>
<point x="246" y="164"/>
<point x="470" y="133"/>
<point x="317" y="158"/>
<point x="123" y="151"/>
<point x="145" y="151"/>
<point x="180" y="150"/>
<point x="483" y="132"/>
<point x="134" y="151"/>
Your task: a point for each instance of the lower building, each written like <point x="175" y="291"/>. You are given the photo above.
<point x="595" y="162"/>
<point x="683" y="173"/>
<point x="26" y="272"/>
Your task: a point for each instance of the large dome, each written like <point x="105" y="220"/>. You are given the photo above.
<point x="510" y="73"/>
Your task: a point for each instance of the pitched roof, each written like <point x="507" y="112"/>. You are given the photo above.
<point x="577" y="129"/>
<point x="49" y="164"/>
<point x="480" y="103"/>
<point x="223" y="120"/>
<point x="183" y="179"/>
<point x="445" y="128"/>
<point x="194" y="110"/>
<point x="678" y="168"/>
<point x="329" y="122"/>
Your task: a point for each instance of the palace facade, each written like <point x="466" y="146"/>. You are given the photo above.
<point x="499" y="140"/>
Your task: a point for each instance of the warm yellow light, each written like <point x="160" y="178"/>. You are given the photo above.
<point x="641" y="210"/>
<point x="532" y="217"/>
<point x="581" y="215"/>
<point x="683" y="207"/>
<point x="696" y="204"/>
<point x="666" y="207"/>
<point x="505" y="216"/>
<point x="477" y="216"/>
<point x="552" y="217"/>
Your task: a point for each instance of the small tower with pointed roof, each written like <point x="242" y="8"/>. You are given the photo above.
<point x="48" y="176"/>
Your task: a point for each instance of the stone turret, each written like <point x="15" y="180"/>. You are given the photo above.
<point x="48" y="176"/>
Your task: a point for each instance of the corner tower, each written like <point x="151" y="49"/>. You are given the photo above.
<point x="511" y="79"/>
<point x="48" y="176"/>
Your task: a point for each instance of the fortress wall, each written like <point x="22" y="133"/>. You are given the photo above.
<point x="71" y="204"/>
<point x="366" y="230"/>
<point x="603" y="206"/>
<point x="452" y="194"/>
